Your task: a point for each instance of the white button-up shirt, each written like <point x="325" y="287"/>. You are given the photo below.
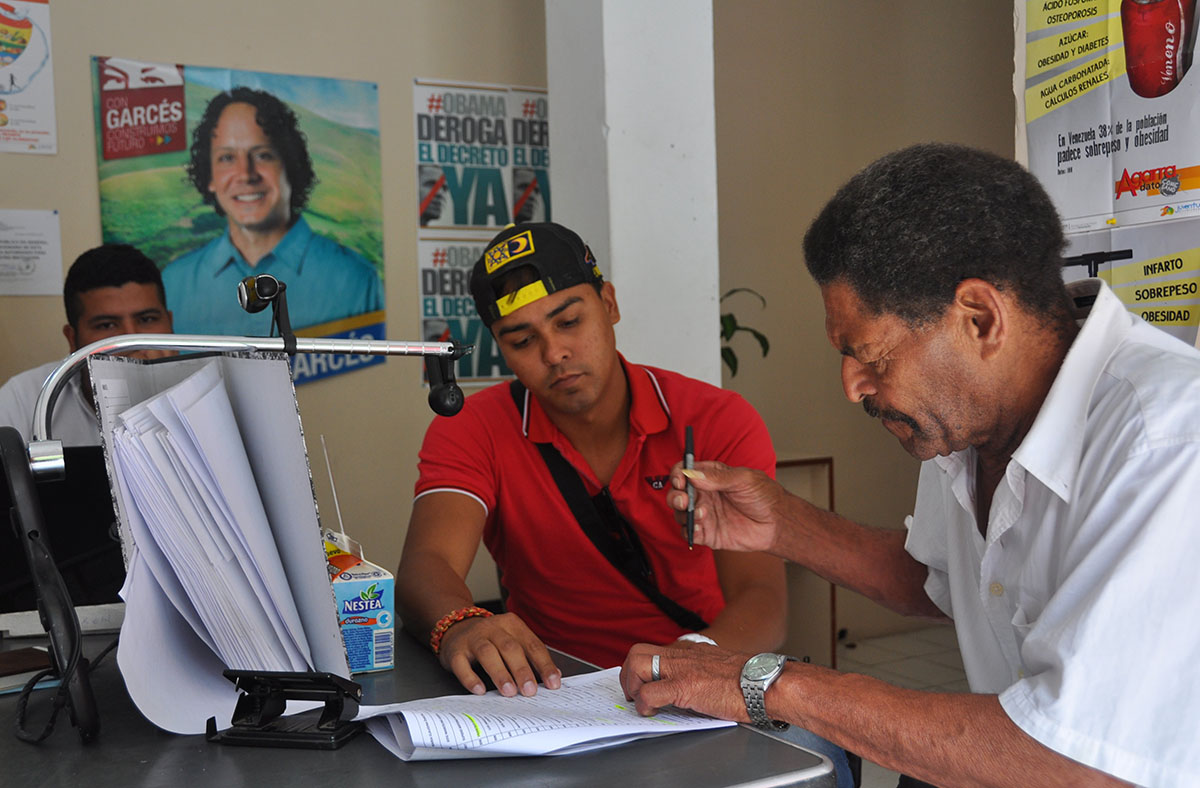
<point x="1081" y="606"/>
<point x="73" y="420"/>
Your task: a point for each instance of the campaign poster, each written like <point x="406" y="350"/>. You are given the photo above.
<point x="27" y="123"/>
<point x="463" y="155"/>
<point x="220" y="174"/>
<point x="529" y="124"/>
<point x="482" y="163"/>
<point x="447" y="309"/>
<point x="1112" y="108"/>
<point x="1153" y="269"/>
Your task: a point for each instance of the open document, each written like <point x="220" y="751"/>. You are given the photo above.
<point x="587" y="713"/>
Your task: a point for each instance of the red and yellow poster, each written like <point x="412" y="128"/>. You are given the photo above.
<point x="1110" y="108"/>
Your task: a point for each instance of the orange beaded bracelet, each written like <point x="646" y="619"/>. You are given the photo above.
<point x="449" y="620"/>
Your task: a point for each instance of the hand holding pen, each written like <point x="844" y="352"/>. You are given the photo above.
<point x="731" y="508"/>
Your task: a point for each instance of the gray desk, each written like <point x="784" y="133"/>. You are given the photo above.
<point x="132" y="752"/>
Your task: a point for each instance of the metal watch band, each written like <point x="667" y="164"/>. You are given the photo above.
<point x="754" y="693"/>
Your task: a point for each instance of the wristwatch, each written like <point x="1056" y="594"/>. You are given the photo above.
<point x="759" y="673"/>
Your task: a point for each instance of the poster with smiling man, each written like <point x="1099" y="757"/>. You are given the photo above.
<point x="219" y="175"/>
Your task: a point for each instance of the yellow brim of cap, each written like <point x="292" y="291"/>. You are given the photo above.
<point x="510" y="303"/>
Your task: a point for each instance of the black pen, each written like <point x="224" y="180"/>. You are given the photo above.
<point x="689" y="457"/>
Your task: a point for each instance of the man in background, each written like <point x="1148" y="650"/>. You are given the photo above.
<point x="250" y="162"/>
<point x="110" y="290"/>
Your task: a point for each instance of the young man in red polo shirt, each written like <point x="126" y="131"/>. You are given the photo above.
<point x="620" y="427"/>
<point x="613" y="427"/>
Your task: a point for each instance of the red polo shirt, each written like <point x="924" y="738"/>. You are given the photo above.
<point x="556" y="580"/>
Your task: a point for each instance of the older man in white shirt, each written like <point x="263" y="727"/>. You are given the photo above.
<point x="1055" y="520"/>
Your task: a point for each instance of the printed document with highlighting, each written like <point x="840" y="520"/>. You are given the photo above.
<point x="587" y="713"/>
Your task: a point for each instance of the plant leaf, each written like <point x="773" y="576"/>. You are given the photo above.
<point x="762" y="339"/>
<point x="729" y="324"/>
<point x="730" y="359"/>
<point x="758" y="335"/>
<point x="753" y="292"/>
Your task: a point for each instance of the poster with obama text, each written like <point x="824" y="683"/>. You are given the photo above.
<point x="222" y="175"/>
<point x="482" y="163"/>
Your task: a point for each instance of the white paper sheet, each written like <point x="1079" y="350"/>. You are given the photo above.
<point x="168" y="655"/>
<point x="223" y="558"/>
<point x="178" y="693"/>
<point x="210" y="421"/>
<point x="588" y="712"/>
<point x="30" y="252"/>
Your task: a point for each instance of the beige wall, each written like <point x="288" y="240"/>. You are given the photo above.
<point x="373" y="419"/>
<point x="807" y="93"/>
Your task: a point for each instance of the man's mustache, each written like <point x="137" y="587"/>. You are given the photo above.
<point x="875" y="412"/>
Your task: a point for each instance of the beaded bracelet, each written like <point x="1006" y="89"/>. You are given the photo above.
<point x="449" y="620"/>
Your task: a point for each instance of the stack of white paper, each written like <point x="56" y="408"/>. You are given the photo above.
<point x="199" y="526"/>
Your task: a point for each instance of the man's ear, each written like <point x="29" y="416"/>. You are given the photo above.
<point x="984" y="312"/>
<point x="69" y="333"/>
<point x="608" y="294"/>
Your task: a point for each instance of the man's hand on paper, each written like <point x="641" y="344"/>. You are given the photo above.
<point x="736" y="508"/>
<point x="706" y="680"/>
<point x="507" y="650"/>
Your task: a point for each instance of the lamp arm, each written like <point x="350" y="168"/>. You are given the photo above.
<point x="45" y="453"/>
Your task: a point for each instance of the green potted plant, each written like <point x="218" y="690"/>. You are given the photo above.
<point x="730" y="326"/>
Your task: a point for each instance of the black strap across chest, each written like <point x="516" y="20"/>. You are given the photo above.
<point x="607" y="528"/>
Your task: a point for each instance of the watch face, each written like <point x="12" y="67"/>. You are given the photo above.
<point x="760" y="666"/>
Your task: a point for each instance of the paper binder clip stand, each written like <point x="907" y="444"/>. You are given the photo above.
<point x="257" y="720"/>
<point x="46" y="462"/>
